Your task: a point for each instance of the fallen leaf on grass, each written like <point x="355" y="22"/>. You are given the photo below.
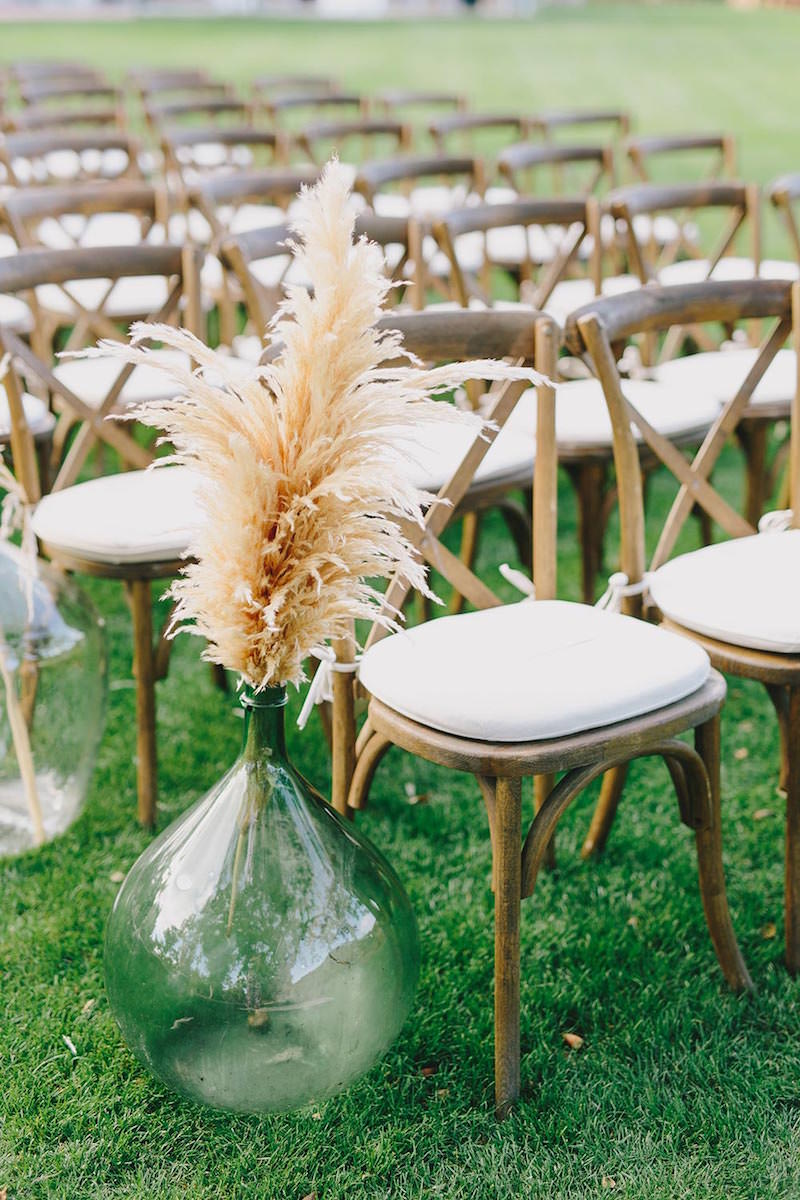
<point x="68" y="1042"/>
<point x="442" y="1093"/>
<point x="573" y="1040"/>
<point x="413" y="796"/>
<point x="768" y="931"/>
<point x="117" y="876"/>
<point x="745" y="726"/>
<point x="87" y="1008"/>
<point x="761" y="814"/>
<point x="427" y="1071"/>
<point x="3" y="1193"/>
<point x="633" y="922"/>
<point x="741" y="752"/>
<point x="310" y="1196"/>
<point x="608" y="1182"/>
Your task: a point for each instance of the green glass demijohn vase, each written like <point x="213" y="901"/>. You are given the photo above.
<point x="261" y="953"/>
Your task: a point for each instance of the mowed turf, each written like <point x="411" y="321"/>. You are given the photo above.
<point x="680" y="1089"/>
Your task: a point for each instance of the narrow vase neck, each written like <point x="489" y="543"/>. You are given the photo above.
<point x="264" y="730"/>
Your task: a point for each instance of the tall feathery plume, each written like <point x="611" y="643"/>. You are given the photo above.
<point x="302" y="465"/>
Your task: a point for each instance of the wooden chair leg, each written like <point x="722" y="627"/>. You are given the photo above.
<point x="779" y="695"/>
<point x="470" y="528"/>
<point x="709" y="864"/>
<point x="147" y="763"/>
<point x="754" y="437"/>
<point x="792" y="884"/>
<point x="589" y="480"/>
<point x="508" y="891"/>
<point x="605" y="810"/>
<point x="542" y="787"/>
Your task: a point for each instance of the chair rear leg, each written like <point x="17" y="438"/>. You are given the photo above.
<point x="143" y="670"/>
<point x="605" y="810"/>
<point x="507" y="895"/>
<point x="709" y="863"/>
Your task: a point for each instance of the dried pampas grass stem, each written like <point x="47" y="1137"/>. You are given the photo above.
<point x="301" y="468"/>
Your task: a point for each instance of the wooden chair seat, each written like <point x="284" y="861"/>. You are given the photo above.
<point x="528" y="671"/>
<point x="138" y="517"/>
<point x="91" y="379"/>
<point x="571" y="294"/>
<point x="719" y="373"/>
<point x="99" y="229"/>
<point x="67" y="166"/>
<point x="696" y="270"/>
<point x="38" y="417"/>
<point x="583" y="422"/>
<point x="744" y="591"/>
<point x="437" y="452"/>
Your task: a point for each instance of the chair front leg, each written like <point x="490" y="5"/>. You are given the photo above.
<point x="144" y="674"/>
<point x="507" y="897"/>
<point x="605" y="810"/>
<point x="792" y="884"/>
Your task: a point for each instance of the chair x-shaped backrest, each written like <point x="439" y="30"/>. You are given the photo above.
<point x="30" y="269"/>
<point x="353" y="140"/>
<point x="600" y="330"/>
<point x="714" y="154"/>
<point x="529" y="339"/>
<point x="569" y="216"/>
<point x="582" y="168"/>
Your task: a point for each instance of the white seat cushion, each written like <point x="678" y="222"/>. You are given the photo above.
<point x="582" y="413"/>
<point x="133" y="296"/>
<point x="720" y="373"/>
<point x="696" y="270"/>
<point x="745" y="591"/>
<point x="91" y="378"/>
<point x="435" y="452"/>
<point x="135" y="517"/>
<point x="38" y="417"/>
<point x="532" y="670"/>
<point x="15" y="314"/>
<point x="570" y="294"/>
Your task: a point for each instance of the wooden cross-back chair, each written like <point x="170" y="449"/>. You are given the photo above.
<point x="196" y="110"/>
<point x="354" y="140"/>
<point x="56" y="116"/>
<point x="232" y="203"/>
<point x="295" y="107"/>
<point x="739" y="598"/>
<point x="50" y="68"/>
<point x="71" y="91"/>
<point x="737" y="207"/>
<point x="133" y="526"/>
<point x="584" y="434"/>
<point x="709" y="156"/>
<point x="417" y="189"/>
<point x="396" y="100"/>
<point x="580" y="167"/>
<point x="530" y="689"/>
<point x="103" y="216"/>
<point x="457" y="132"/>
<point x="186" y="82"/>
<point x="195" y="151"/>
<point x="536" y="241"/>
<point x="59" y="155"/>
<point x="555" y="121"/>
<point x="262" y="265"/>
<point x="267" y="85"/>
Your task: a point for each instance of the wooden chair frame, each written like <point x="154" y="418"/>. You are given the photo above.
<point x="554" y="120"/>
<point x="277" y="106"/>
<point x="37" y="145"/>
<point x="519" y="162"/>
<point x="405" y="171"/>
<point x="499" y="768"/>
<point x="391" y="100"/>
<point x="314" y="139"/>
<point x="721" y="146"/>
<point x="49" y="116"/>
<point x="463" y="125"/>
<point x="24" y="273"/>
<point x="599" y="332"/>
<point x="266" y="85"/>
<point x="784" y="195"/>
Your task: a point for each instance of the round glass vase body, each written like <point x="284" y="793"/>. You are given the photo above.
<point x="52" y="699"/>
<point x="261" y="953"/>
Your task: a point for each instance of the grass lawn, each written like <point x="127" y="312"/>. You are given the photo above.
<point x="680" y="1089"/>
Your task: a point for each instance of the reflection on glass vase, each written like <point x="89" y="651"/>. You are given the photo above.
<point x="261" y="953"/>
<point x="52" y="699"/>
